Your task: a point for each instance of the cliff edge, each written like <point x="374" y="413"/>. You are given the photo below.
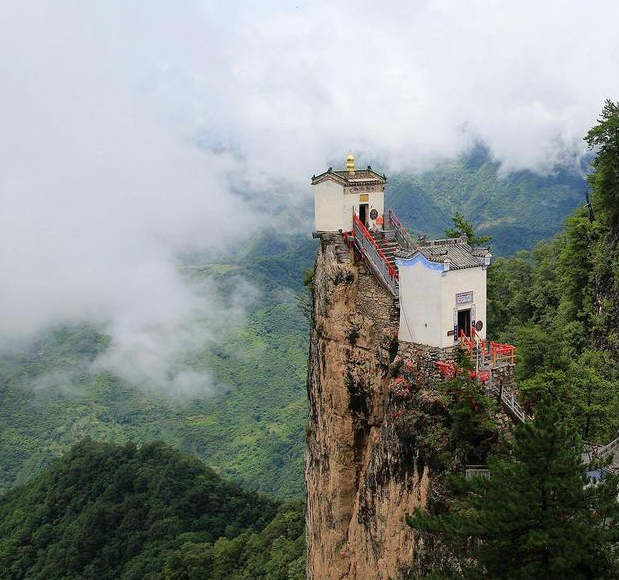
<point x="362" y="475"/>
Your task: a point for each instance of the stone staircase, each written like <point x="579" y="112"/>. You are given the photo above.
<point x="389" y="247"/>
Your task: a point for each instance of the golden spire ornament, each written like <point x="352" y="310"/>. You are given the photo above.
<point x="350" y="163"/>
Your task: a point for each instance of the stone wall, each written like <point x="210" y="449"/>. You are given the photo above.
<point x="424" y="358"/>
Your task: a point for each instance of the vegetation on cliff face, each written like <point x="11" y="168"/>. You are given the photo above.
<point x="149" y="513"/>
<point x="537" y="516"/>
<point x="449" y="425"/>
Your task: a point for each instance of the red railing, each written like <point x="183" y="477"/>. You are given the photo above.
<point x="402" y="235"/>
<point x="370" y="238"/>
<point x="375" y="256"/>
<point x="498" y="352"/>
<point x="469" y="342"/>
<point x="502" y="353"/>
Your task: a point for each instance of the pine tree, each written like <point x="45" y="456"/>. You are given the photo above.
<point x="462" y="226"/>
<point x="537" y="517"/>
<point x="604" y="180"/>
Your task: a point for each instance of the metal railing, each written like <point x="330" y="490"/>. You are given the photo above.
<point x="402" y="236"/>
<point x="493" y="354"/>
<point x="476" y="471"/>
<point x="605" y="449"/>
<point x="508" y="399"/>
<point x="502" y="353"/>
<point x="376" y="258"/>
<point x="448" y="371"/>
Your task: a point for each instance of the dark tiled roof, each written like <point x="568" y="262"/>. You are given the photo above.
<point x="364" y="175"/>
<point x="352" y="178"/>
<point x="461" y="254"/>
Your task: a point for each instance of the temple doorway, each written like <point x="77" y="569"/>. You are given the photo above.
<point x="363" y="214"/>
<point x="464" y="322"/>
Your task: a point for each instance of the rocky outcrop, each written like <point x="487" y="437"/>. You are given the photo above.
<point x="362" y="473"/>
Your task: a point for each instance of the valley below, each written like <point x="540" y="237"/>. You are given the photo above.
<point x="251" y="426"/>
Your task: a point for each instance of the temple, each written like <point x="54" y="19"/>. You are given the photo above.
<point x="440" y="285"/>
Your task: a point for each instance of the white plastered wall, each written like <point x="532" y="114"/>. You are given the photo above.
<point x="420" y="303"/>
<point x="375" y="200"/>
<point x="457" y="282"/>
<point x="333" y="208"/>
<point x="428" y="300"/>
<point x="328" y="207"/>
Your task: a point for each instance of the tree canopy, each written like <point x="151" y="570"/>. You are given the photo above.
<point x="538" y="515"/>
<point x="149" y="513"/>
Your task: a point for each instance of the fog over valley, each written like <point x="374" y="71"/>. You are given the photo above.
<point x="134" y="132"/>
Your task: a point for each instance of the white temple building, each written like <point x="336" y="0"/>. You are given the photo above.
<point x="450" y="275"/>
<point x="440" y="284"/>
<point x="339" y="194"/>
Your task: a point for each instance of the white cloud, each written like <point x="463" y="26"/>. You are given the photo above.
<point x="101" y="181"/>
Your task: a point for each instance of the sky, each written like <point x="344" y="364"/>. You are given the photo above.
<point x="128" y="129"/>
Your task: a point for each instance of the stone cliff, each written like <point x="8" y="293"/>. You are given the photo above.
<point x="363" y="471"/>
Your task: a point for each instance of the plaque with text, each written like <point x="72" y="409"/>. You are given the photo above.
<point x="464" y="297"/>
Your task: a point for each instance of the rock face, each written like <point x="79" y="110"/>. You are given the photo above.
<point x="362" y="477"/>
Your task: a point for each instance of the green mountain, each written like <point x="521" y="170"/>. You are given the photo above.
<point x="517" y="209"/>
<point x="252" y="428"/>
<point x="149" y="513"/>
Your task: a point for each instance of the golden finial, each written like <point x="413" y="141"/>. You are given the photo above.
<point x="350" y="163"/>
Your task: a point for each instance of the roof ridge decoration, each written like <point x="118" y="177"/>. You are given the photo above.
<point x="346" y="178"/>
<point x="453" y="252"/>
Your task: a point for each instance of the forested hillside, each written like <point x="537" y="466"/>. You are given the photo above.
<point x="544" y="512"/>
<point x="49" y="398"/>
<point x="558" y="302"/>
<point x="149" y="513"/>
<point x="516" y="209"/>
<point x="252" y="427"/>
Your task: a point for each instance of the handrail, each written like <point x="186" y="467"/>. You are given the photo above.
<point x="370" y="238"/>
<point x="402" y="235"/>
<point x="375" y="256"/>
<point x="509" y="400"/>
<point x="476" y="346"/>
<point x="608" y="447"/>
<point x="502" y="353"/>
<point x="466" y="341"/>
<point x="449" y="371"/>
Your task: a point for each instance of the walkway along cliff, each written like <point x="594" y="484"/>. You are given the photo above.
<point x="390" y="314"/>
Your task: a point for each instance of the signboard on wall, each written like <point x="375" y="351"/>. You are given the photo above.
<point x="464" y="298"/>
<point x="364" y="197"/>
